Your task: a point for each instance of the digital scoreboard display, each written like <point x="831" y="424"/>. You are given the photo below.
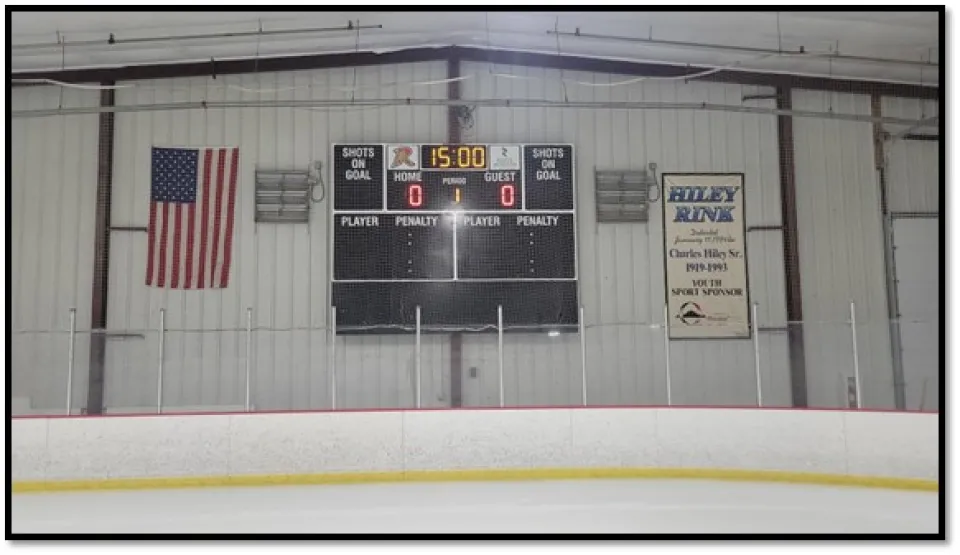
<point x="455" y="229"/>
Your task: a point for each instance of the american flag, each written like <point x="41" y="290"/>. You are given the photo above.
<point x="192" y="196"/>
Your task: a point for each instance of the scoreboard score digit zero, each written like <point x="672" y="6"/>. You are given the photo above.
<point x="455" y="229"/>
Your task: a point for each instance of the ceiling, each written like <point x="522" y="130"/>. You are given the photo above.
<point x="911" y="37"/>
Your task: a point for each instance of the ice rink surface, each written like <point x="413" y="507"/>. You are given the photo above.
<point x="594" y="506"/>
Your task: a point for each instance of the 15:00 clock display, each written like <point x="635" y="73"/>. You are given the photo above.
<point x="454" y="157"/>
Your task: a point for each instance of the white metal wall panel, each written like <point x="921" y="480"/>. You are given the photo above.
<point x="912" y="167"/>
<point x="916" y="244"/>
<point x="621" y="265"/>
<point x="913" y="184"/>
<point x="52" y="209"/>
<point x="280" y="270"/>
<point x="841" y="251"/>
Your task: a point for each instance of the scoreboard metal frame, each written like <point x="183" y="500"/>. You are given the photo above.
<point x="456" y="213"/>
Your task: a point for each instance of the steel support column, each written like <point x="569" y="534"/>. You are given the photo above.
<point x="890" y="267"/>
<point x="101" y="255"/>
<point x="791" y="251"/>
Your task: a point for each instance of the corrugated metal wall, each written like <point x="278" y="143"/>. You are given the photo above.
<point x="280" y="270"/>
<point x="841" y="252"/>
<point x="52" y="207"/>
<point x="913" y="181"/>
<point x="621" y="265"/>
<point x="913" y="167"/>
<point x="916" y="244"/>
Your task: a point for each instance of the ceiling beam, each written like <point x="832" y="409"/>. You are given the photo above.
<point x="776" y="80"/>
<point x="235" y="67"/>
<point x="507" y="57"/>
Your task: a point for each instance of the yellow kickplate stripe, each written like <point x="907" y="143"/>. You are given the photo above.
<point x="476" y="475"/>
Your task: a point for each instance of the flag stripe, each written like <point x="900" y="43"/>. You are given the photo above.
<point x="188" y="272"/>
<point x="211" y="237"/>
<point x="164" y="226"/>
<point x="231" y="198"/>
<point x="214" y="239"/>
<point x="151" y="242"/>
<point x="204" y="206"/>
<point x="201" y="215"/>
<point x="222" y="234"/>
<point x="177" y="241"/>
<point x="217" y="212"/>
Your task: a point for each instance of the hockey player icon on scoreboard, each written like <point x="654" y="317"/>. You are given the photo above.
<point x="404" y="157"/>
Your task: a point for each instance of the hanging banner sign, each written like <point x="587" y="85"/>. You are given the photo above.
<point x="704" y="240"/>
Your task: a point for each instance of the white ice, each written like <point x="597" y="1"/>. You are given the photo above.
<point x="594" y="506"/>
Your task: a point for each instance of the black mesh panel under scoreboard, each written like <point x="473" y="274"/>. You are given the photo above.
<point x="457" y="230"/>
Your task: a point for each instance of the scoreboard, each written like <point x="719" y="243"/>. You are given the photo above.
<point x="455" y="229"/>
